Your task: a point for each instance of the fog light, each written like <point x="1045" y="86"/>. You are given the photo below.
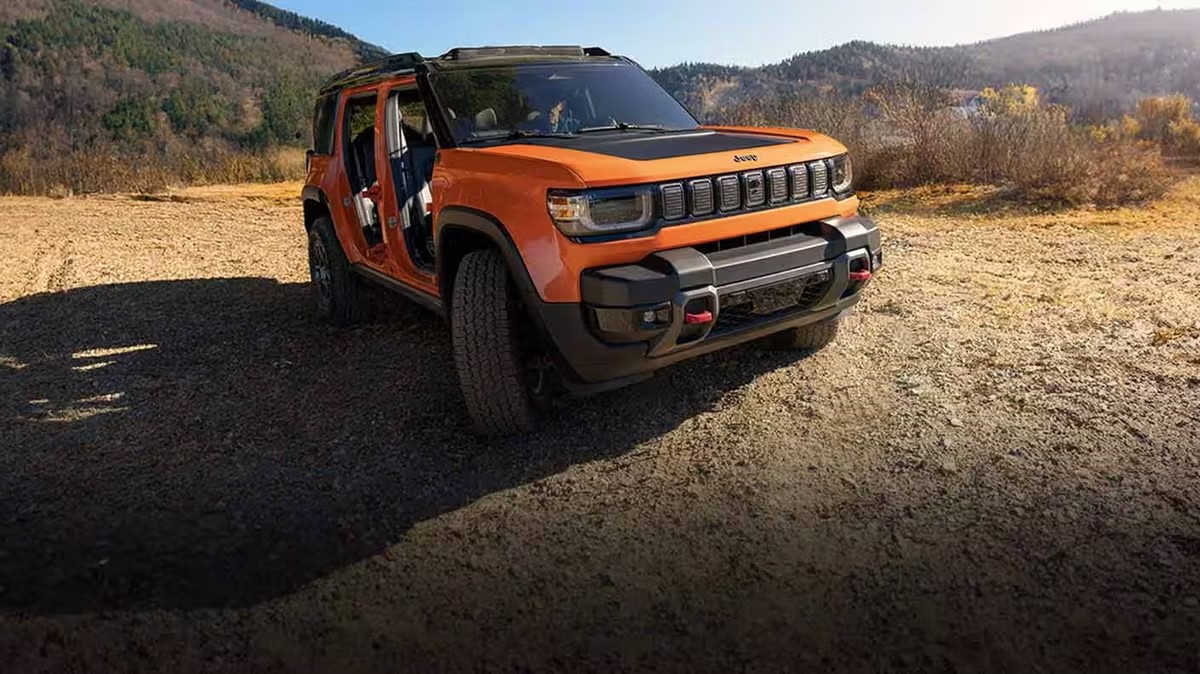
<point x="653" y="318"/>
<point x="631" y="324"/>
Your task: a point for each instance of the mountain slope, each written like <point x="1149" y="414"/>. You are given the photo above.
<point x="1098" y="68"/>
<point x="182" y="85"/>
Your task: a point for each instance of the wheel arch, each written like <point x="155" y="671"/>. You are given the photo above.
<point x="461" y="230"/>
<point x="315" y="205"/>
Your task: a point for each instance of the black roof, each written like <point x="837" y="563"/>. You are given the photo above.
<point x="410" y="62"/>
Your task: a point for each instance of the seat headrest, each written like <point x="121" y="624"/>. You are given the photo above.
<point x="485" y="120"/>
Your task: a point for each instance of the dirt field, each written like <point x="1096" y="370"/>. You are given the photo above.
<point x="995" y="468"/>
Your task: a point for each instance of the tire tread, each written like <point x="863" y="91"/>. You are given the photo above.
<point x="484" y="314"/>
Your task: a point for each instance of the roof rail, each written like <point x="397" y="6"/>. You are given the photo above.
<point x="520" y="51"/>
<point x="396" y="64"/>
<point x="408" y="62"/>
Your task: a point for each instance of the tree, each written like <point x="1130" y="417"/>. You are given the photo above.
<point x="285" y="108"/>
<point x="131" y="118"/>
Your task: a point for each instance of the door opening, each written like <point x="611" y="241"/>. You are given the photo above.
<point x="359" y="135"/>
<point x="412" y="150"/>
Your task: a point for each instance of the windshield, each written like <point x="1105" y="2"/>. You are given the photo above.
<point x="483" y="104"/>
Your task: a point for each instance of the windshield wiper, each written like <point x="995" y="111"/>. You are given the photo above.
<point x="623" y="126"/>
<point x="518" y="133"/>
<point x="524" y="133"/>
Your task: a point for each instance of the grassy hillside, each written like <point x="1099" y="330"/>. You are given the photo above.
<point x="1097" y="68"/>
<point x="102" y="95"/>
<point x="129" y="91"/>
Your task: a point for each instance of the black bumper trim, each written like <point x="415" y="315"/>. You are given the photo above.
<point x="685" y="276"/>
<point x="660" y="276"/>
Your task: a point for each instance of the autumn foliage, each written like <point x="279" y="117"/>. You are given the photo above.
<point x="907" y="133"/>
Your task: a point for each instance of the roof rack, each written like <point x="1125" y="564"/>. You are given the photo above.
<point x="409" y="62"/>
<point x="396" y="64"/>
<point x="520" y="51"/>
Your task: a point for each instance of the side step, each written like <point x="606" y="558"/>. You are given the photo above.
<point x="426" y="300"/>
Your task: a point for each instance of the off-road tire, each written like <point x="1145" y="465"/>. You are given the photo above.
<point x="807" y="338"/>
<point x="339" y="294"/>
<point x="485" y="317"/>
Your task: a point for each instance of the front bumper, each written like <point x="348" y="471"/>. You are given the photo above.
<point x="685" y="302"/>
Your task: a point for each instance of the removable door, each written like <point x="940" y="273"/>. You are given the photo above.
<point x="360" y="150"/>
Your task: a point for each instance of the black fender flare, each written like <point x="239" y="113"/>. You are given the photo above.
<point x="311" y="194"/>
<point x="452" y="218"/>
<point x="478" y="222"/>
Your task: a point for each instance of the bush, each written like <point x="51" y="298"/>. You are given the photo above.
<point x="115" y="170"/>
<point x="905" y="134"/>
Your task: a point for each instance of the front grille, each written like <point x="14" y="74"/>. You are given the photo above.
<point x="745" y="315"/>
<point x="761" y="188"/>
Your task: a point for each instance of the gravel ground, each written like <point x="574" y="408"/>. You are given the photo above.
<point x="995" y="468"/>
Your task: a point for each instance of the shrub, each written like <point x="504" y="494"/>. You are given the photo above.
<point x="1168" y="121"/>
<point x="905" y="134"/>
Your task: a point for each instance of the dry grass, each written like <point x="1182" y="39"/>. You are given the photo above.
<point x="1178" y="208"/>
<point x="283" y="192"/>
<point x="993" y="468"/>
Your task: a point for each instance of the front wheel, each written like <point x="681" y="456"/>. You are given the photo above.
<point x="487" y="325"/>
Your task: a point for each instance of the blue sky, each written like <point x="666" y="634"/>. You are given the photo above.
<point x="664" y="32"/>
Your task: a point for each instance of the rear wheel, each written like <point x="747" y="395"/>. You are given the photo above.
<point x="491" y="354"/>
<point x="339" y="293"/>
<point x="807" y="338"/>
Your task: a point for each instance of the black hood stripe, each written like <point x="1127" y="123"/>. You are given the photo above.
<point x="643" y="146"/>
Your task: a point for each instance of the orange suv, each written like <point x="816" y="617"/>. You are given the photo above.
<point x="574" y="223"/>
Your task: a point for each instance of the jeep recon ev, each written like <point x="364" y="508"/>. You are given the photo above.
<point x="575" y="224"/>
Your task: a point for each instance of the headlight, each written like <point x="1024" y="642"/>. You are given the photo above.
<point x="606" y="211"/>
<point x="841" y="174"/>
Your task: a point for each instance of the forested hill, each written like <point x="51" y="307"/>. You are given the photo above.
<point x="188" y="87"/>
<point x="134" y="94"/>
<point x="1097" y="68"/>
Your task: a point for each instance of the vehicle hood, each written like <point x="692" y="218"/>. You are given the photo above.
<point x="621" y="158"/>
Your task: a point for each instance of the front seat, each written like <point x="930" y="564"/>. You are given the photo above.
<point x="421" y="147"/>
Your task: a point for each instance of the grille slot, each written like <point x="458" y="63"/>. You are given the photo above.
<point x="756" y="189"/>
<point x="777" y="187"/>
<point x="799" y="179"/>
<point x="729" y="193"/>
<point x="701" y="192"/>
<point x="672" y="201"/>
<point x="820" y="177"/>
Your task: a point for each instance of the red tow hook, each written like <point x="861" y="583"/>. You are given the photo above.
<point x="860" y="275"/>
<point x="698" y="318"/>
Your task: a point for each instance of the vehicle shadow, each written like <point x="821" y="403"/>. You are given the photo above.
<point x="207" y="443"/>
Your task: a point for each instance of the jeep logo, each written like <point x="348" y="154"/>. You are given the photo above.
<point x="738" y="158"/>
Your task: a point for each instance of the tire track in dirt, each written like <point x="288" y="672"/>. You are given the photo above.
<point x="54" y="266"/>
